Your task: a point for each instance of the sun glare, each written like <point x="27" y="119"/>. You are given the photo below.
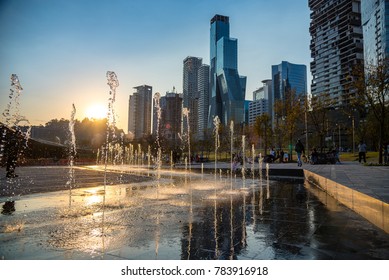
<point x="96" y="111"/>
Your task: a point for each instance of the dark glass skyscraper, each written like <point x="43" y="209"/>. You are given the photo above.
<point x="226" y="86"/>
<point x="287" y="76"/>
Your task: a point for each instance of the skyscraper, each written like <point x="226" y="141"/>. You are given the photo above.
<point x="139" y="113"/>
<point x="256" y="108"/>
<point x="285" y="77"/>
<point x="190" y="89"/>
<point x="203" y="88"/>
<point x="336" y="45"/>
<point x="288" y="76"/>
<point x="226" y="86"/>
<point x="375" y="22"/>
<point x="262" y="102"/>
<point x="171" y="117"/>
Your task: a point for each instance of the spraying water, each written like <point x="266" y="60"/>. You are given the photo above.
<point x="185" y="113"/>
<point x="252" y="160"/>
<point x="244" y="156"/>
<point x="13" y="141"/>
<point x="72" y="154"/>
<point x="11" y="114"/>
<point x="216" y="123"/>
<point x="157" y="97"/>
<point x="232" y="144"/>
<point x="113" y="84"/>
<point x="260" y="162"/>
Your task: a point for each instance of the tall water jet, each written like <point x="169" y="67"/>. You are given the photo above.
<point x="139" y="163"/>
<point x="113" y="83"/>
<point x="216" y="123"/>
<point x="267" y="181"/>
<point x="122" y="149"/>
<point x="12" y="111"/>
<point x="72" y="150"/>
<point x="252" y="160"/>
<point x="260" y="163"/>
<point x="148" y="157"/>
<point x="157" y="98"/>
<point x="243" y="156"/>
<point x="232" y="144"/>
<point x="185" y="113"/>
<point x="13" y="141"/>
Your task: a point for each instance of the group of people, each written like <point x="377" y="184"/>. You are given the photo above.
<point x="315" y="157"/>
<point x="276" y="155"/>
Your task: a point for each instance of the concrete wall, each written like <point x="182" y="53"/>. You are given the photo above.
<point x="372" y="209"/>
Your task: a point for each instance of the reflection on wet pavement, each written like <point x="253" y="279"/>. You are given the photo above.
<point x="189" y="218"/>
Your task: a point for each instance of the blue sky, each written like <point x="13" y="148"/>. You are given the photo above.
<point x="62" y="49"/>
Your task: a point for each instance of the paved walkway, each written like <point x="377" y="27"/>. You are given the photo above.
<point x="370" y="180"/>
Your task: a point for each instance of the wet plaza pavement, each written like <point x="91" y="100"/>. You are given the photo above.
<point x="178" y="217"/>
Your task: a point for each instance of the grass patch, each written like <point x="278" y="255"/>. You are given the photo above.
<point x="371" y="157"/>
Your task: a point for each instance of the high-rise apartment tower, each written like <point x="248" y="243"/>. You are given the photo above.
<point x="336" y="46"/>
<point x="203" y="105"/>
<point x="139" y="113"/>
<point x="190" y="90"/>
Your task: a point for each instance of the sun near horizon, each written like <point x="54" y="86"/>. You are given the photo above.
<point x="96" y="111"/>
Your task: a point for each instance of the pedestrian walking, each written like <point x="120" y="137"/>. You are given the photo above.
<point x="299" y="148"/>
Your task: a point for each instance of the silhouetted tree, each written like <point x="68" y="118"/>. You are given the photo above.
<point x="371" y="82"/>
<point x="263" y="130"/>
<point x="289" y="113"/>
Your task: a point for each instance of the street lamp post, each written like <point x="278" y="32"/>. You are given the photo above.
<point x="353" y="127"/>
<point x="339" y="139"/>
<point x="306" y="130"/>
<point x="353" y="136"/>
<point x="306" y="122"/>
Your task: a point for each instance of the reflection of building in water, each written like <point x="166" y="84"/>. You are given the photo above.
<point x="281" y="218"/>
<point x="287" y="220"/>
<point x="202" y="244"/>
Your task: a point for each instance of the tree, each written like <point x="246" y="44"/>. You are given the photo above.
<point x="289" y="113"/>
<point x="263" y="130"/>
<point x="319" y="115"/>
<point x="371" y="84"/>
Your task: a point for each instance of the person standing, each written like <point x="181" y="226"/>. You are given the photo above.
<point x="362" y="151"/>
<point x="299" y="148"/>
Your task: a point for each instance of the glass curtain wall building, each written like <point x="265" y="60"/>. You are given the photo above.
<point x="288" y="76"/>
<point x="227" y="87"/>
<point x="375" y="23"/>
